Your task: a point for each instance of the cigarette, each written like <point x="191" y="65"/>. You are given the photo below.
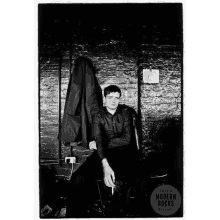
<point x="112" y="190"/>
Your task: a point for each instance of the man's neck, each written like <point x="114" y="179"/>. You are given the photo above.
<point x="111" y="111"/>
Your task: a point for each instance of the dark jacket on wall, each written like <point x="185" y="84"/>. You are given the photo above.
<point x="83" y="100"/>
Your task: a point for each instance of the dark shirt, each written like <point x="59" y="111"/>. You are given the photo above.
<point x="111" y="131"/>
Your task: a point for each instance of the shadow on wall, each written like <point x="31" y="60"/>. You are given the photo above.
<point x="166" y="151"/>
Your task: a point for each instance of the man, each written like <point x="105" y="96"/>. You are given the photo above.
<point x="112" y="135"/>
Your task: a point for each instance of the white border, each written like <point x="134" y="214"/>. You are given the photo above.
<point x="201" y="114"/>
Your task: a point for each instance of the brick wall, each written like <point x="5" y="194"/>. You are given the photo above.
<point x="160" y="103"/>
<point x="115" y="64"/>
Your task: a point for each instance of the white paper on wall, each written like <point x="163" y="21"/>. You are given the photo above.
<point x="150" y="76"/>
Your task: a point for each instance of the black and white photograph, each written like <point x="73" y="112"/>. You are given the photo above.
<point x="110" y="101"/>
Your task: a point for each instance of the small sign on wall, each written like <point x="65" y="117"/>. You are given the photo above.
<point x="150" y="76"/>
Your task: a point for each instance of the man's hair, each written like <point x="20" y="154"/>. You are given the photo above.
<point x="110" y="89"/>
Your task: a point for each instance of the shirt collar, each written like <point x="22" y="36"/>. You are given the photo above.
<point x="118" y="111"/>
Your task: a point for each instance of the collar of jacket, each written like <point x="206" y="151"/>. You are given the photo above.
<point x="118" y="111"/>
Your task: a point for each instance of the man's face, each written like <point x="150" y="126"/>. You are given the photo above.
<point x="112" y="100"/>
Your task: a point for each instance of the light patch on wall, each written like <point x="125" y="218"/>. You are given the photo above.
<point x="150" y="76"/>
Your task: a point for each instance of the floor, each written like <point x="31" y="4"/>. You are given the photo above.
<point x="137" y="205"/>
<point x="116" y="205"/>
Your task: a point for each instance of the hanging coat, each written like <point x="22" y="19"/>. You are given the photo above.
<point x="83" y="100"/>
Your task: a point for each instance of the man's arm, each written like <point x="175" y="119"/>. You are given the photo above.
<point x="125" y="138"/>
<point x="98" y="135"/>
<point x="109" y="176"/>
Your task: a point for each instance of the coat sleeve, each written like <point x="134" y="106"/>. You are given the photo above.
<point x="97" y="133"/>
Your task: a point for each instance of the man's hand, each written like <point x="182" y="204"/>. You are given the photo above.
<point x="92" y="145"/>
<point x="109" y="176"/>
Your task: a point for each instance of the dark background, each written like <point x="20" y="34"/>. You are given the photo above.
<point x="99" y="23"/>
